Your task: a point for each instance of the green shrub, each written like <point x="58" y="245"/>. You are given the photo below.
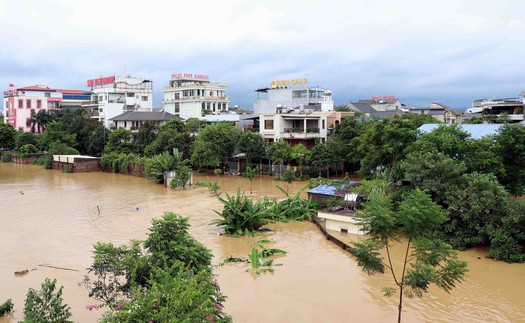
<point x="27" y="150"/>
<point x="241" y="215"/>
<point x="293" y="208"/>
<point x="6" y="157"/>
<point x="46" y="305"/>
<point x="6" y="308"/>
<point x="106" y="161"/>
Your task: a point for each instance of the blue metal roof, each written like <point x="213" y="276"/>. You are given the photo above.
<point x="329" y="190"/>
<point x="476" y="131"/>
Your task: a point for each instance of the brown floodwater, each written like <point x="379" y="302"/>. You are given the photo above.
<point x="51" y="218"/>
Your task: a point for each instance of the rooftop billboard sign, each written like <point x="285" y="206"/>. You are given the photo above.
<point x="190" y="76"/>
<point x="101" y="81"/>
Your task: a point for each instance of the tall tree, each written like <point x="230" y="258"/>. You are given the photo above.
<point x="39" y="120"/>
<point x="252" y="145"/>
<point x="301" y="154"/>
<point x="120" y="141"/>
<point x="426" y="260"/>
<point x="510" y="142"/>
<point x="321" y="157"/>
<point x="7" y="136"/>
<point x="219" y="140"/>
<point x="279" y="152"/>
<point x="55" y="133"/>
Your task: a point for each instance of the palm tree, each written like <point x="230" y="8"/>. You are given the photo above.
<point x="39" y="120"/>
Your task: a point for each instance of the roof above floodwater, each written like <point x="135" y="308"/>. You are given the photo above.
<point x="329" y="190"/>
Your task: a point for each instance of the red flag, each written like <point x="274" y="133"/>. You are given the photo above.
<point x="11" y="85"/>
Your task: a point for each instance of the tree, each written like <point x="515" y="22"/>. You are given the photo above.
<point x="510" y="145"/>
<point x="7" y="136"/>
<point x="174" y="295"/>
<point x="169" y="242"/>
<point x="182" y="176"/>
<point x="112" y="269"/>
<point x="252" y="145"/>
<point x="241" y="215"/>
<point x="321" y="157"/>
<point x="120" y="141"/>
<point x="145" y="136"/>
<point x="435" y="172"/>
<point x="46" y="304"/>
<point x="97" y="140"/>
<point x="383" y="144"/>
<point x="279" y="152"/>
<point x="214" y="144"/>
<point x="39" y="120"/>
<point x="301" y="154"/>
<point x="427" y="260"/>
<point x="24" y="138"/>
<point x="55" y="133"/>
<point x="157" y="165"/>
<point x="250" y="173"/>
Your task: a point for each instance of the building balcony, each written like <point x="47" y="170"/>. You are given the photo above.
<point x="301" y="130"/>
<point x="300" y="135"/>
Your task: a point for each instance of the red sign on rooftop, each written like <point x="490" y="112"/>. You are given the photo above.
<point x="101" y="81"/>
<point x="190" y="76"/>
<point x="384" y="98"/>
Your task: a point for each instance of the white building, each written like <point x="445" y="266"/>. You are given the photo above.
<point x="301" y="127"/>
<point x="113" y="96"/>
<point x="384" y="103"/>
<point x="190" y="95"/>
<point x="20" y="103"/>
<point x="292" y="94"/>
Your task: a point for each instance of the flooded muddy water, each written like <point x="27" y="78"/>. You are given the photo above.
<point x="52" y="218"/>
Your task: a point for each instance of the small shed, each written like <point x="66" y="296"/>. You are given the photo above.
<point x="322" y="193"/>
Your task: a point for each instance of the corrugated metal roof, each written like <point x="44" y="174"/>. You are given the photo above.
<point x="144" y="116"/>
<point x="476" y="131"/>
<point x="329" y="190"/>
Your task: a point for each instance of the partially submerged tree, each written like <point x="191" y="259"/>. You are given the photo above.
<point x="250" y="173"/>
<point x="427" y="260"/>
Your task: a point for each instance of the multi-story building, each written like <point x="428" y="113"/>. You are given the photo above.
<point x="300" y="127"/>
<point x="291" y="95"/>
<point x="384" y="103"/>
<point x="497" y="110"/>
<point x="193" y="95"/>
<point x="20" y="103"/>
<point x="113" y="96"/>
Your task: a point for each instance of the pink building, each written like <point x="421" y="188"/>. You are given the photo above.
<point x="19" y="103"/>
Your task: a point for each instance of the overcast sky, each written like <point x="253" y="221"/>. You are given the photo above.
<point x="418" y="50"/>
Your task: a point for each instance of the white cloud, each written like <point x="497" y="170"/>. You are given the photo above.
<point x="417" y="49"/>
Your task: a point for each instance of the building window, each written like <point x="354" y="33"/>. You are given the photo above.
<point x="100" y="98"/>
<point x="203" y="106"/>
<point x="28" y="104"/>
<point x="125" y="124"/>
<point x="208" y="105"/>
<point x="177" y="107"/>
<point x="38" y="104"/>
<point x="177" y="96"/>
<point x="268" y="124"/>
<point x="144" y="98"/>
<point x="130" y="95"/>
<point x="47" y="94"/>
<point x="20" y="104"/>
<point x="323" y="122"/>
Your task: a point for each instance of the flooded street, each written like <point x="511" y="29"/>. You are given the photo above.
<point x="52" y="218"/>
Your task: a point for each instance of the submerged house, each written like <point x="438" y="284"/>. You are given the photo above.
<point x="341" y="218"/>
